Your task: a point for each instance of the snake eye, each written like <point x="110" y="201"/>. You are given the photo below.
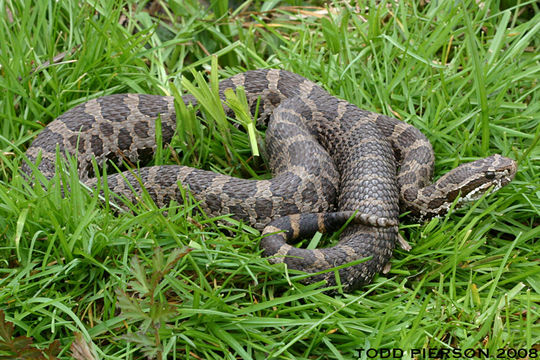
<point x="490" y="175"/>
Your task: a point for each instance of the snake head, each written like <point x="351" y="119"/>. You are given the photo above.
<point x="471" y="180"/>
<point x="468" y="181"/>
<point x="492" y="172"/>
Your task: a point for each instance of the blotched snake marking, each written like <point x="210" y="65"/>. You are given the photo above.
<point x="330" y="160"/>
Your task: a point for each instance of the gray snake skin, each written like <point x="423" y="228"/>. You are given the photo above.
<point x="331" y="162"/>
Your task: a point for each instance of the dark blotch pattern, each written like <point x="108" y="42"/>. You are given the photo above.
<point x="74" y="141"/>
<point x="106" y="129"/>
<point x="77" y="120"/>
<point x="142" y="129"/>
<point x="167" y="132"/>
<point x="96" y="143"/>
<point x="244" y="190"/>
<point x="124" y="139"/>
<point x="113" y="108"/>
<point x="145" y="154"/>
<point x="263" y="207"/>
<point x="152" y="105"/>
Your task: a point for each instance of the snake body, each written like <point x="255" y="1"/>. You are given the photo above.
<point x="331" y="162"/>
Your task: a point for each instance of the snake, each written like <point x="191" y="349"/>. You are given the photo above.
<point x="334" y="167"/>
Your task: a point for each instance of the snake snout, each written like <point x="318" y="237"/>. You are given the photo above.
<point x="501" y="171"/>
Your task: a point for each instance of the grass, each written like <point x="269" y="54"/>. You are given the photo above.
<point x="77" y="279"/>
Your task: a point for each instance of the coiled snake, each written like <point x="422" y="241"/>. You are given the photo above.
<point x="330" y="161"/>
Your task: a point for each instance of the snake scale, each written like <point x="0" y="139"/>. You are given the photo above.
<point x="330" y="160"/>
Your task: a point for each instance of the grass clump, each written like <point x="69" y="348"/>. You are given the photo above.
<point x="81" y="280"/>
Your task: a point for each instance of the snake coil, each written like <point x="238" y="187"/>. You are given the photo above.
<point x="330" y="161"/>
